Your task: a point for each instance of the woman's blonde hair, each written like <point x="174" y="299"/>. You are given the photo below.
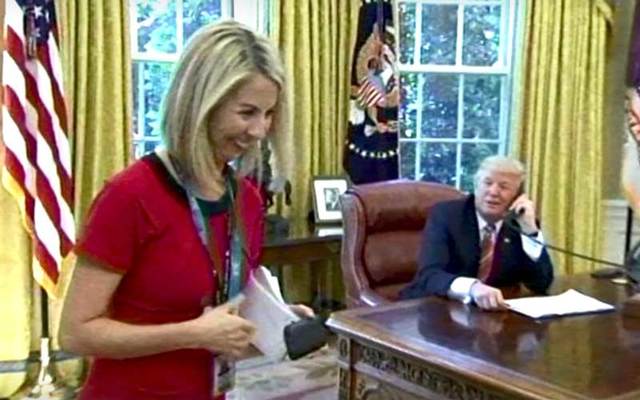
<point x="217" y="60"/>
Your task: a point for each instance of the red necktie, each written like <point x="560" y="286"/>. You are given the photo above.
<point x="486" y="252"/>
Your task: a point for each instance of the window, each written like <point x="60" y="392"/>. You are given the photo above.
<point x="455" y="77"/>
<point x="160" y="30"/>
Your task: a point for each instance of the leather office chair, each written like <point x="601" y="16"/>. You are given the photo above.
<point x="383" y="225"/>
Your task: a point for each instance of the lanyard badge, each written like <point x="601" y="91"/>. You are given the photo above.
<point x="229" y="269"/>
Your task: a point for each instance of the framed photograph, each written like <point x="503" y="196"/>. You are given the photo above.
<point x="326" y="198"/>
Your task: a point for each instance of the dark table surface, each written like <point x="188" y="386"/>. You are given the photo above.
<point x="595" y="356"/>
<point x="301" y="231"/>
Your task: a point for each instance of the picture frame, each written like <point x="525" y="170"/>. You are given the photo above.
<point x="326" y="192"/>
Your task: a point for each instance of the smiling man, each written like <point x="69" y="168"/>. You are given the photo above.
<point x="491" y="239"/>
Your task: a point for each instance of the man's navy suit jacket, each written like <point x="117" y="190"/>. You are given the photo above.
<point x="450" y="248"/>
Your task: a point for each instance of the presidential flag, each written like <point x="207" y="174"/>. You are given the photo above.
<point x="37" y="161"/>
<point x="371" y="148"/>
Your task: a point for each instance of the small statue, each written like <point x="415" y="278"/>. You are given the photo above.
<point x="269" y="187"/>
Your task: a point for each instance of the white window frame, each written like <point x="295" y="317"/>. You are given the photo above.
<point x="253" y="13"/>
<point x="504" y="68"/>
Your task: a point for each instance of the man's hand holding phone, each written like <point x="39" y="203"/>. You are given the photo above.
<point x="525" y="213"/>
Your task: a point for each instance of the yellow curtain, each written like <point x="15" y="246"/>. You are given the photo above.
<point x="561" y="130"/>
<point x="316" y="39"/>
<point x="97" y="68"/>
<point x="16" y="287"/>
<point x="97" y="83"/>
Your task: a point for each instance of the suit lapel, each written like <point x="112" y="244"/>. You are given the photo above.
<point x="470" y="237"/>
<point x="507" y="243"/>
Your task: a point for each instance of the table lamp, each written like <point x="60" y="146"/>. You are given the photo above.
<point x="631" y="306"/>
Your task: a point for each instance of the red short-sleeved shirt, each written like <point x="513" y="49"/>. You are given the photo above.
<point x="141" y="225"/>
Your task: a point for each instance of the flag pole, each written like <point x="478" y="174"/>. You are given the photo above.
<point x="36" y="161"/>
<point x="47" y="385"/>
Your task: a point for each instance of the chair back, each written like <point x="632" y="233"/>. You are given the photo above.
<point x="383" y="225"/>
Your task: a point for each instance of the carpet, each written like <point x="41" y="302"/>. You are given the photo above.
<point x="314" y="377"/>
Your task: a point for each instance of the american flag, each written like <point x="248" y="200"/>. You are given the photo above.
<point x="371" y="92"/>
<point x="37" y="164"/>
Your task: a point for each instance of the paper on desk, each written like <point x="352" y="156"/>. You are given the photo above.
<point x="567" y="303"/>
<point x="264" y="306"/>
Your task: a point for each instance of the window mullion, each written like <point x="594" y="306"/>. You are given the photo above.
<point x="179" y="26"/>
<point x="226" y="8"/>
<point x="513" y="16"/>
<point x="154" y="57"/>
<point x="261" y="26"/>
<point x="459" y="165"/>
<point x="460" y="129"/>
<point x="419" y="101"/>
<point x="463" y="69"/>
<point x="452" y="140"/>
<point x="417" y="37"/>
<point x="141" y="102"/>
<point x="460" y="33"/>
<point x="505" y="89"/>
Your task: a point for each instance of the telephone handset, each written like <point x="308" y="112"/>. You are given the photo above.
<point x="513" y="214"/>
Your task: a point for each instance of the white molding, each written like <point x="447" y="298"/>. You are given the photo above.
<point x="250" y="13"/>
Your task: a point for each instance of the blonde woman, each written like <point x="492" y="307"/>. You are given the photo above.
<point x="172" y="238"/>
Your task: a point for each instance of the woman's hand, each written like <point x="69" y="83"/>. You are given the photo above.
<point x="221" y="331"/>
<point x="302" y="311"/>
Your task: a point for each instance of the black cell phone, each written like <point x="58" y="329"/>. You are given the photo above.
<point x="305" y="336"/>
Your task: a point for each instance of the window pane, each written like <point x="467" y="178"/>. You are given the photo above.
<point x="440" y="106"/>
<point x="408" y="104"/>
<point x="439" y="34"/>
<point x="408" y="160"/>
<point x="156" y="26"/>
<point x="438" y="162"/>
<point x="156" y="76"/>
<point x="198" y="13"/>
<point x="481" y="39"/>
<point x="482" y="106"/>
<point x="472" y="154"/>
<point x="150" y="145"/>
<point x="407" y="32"/>
<point x="142" y="147"/>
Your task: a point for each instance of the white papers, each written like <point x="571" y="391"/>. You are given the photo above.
<point x="264" y="306"/>
<point x="569" y="302"/>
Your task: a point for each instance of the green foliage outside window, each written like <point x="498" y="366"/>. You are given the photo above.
<point x="452" y="115"/>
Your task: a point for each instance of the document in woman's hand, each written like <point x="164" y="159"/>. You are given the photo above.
<point x="263" y="305"/>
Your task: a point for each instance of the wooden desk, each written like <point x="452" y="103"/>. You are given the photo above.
<point x="306" y="244"/>
<point x="302" y="244"/>
<point x="439" y="349"/>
